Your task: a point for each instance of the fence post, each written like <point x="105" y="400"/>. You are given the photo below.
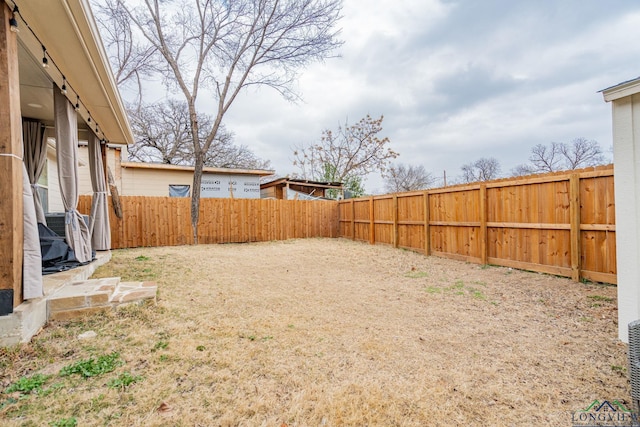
<point x="427" y="231"/>
<point x="353" y="220"/>
<point x="395" y="220"/>
<point x="372" y="223"/>
<point x="574" y="213"/>
<point x="483" y="224"/>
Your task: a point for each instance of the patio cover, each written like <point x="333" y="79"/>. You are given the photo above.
<point x="76" y="230"/>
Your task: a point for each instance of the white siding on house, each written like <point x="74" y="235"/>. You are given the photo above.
<point x="55" y="199"/>
<point x="84" y="173"/>
<point x="626" y="137"/>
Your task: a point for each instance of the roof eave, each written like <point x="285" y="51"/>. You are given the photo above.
<point x="168" y="167"/>
<point x="624" y="89"/>
<point x="102" y="59"/>
<point x="68" y="30"/>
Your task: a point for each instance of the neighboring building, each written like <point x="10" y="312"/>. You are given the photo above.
<point x="290" y="189"/>
<point x="156" y="179"/>
<point x="625" y="99"/>
<point x="151" y="179"/>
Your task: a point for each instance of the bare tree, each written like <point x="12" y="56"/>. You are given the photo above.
<point x="130" y="59"/>
<point x="346" y="155"/>
<point x="581" y="153"/>
<point x="483" y="169"/>
<point x="522" y="170"/>
<point x="225" y="154"/>
<point x="557" y="156"/>
<point x="401" y="177"/>
<point x="222" y="47"/>
<point x="546" y="158"/>
<point x="163" y="135"/>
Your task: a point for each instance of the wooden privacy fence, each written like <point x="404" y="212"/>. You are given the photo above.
<point x="561" y="223"/>
<point x="166" y="221"/>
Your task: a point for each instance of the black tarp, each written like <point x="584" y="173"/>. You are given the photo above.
<point x="57" y="255"/>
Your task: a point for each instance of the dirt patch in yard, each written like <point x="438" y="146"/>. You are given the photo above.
<point x="333" y="332"/>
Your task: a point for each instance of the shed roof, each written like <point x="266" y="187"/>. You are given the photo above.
<point x="302" y="182"/>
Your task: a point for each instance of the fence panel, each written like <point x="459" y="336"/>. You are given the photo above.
<point x="411" y="221"/>
<point x="383" y="213"/>
<point x="454" y="222"/>
<point x="529" y="225"/>
<point x="166" y="221"/>
<point x="597" y="229"/>
<point x="560" y="223"/>
<point x="361" y="210"/>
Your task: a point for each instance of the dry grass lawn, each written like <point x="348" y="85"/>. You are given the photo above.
<point x="324" y="332"/>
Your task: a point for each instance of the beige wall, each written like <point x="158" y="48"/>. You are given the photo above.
<point x="131" y="181"/>
<point x="54" y="198"/>
<point x="152" y="182"/>
<point x="84" y="176"/>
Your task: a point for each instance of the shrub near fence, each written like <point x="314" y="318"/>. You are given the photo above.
<point x="166" y="221"/>
<point x="562" y="223"/>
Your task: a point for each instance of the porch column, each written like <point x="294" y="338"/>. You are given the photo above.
<point x="11" y="204"/>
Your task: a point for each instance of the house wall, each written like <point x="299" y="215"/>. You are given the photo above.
<point x="53" y="192"/>
<point x="84" y="173"/>
<point x="152" y="182"/>
<point x="626" y="147"/>
<point x="268" y="193"/>
<point x="133" y="181"/>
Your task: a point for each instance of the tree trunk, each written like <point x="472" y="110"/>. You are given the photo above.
<point x="195" y="195"/>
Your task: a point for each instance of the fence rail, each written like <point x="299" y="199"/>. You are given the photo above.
<point x="561" y="223"/>
<point x="166" y="221"/>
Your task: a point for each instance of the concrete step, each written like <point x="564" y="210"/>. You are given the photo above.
<point x="88" y="297"/>
<point x="29" y="317"/>
<point x="134" y="292"/>
<point x="81" y="298"/>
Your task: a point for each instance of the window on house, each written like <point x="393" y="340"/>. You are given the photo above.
<point x="43" y="187"/>
<point x="179" y="190"/>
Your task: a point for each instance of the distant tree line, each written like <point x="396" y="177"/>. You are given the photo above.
<point x="556" y="156"/>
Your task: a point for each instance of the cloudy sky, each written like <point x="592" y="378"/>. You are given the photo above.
<point x="456" y="80"/>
